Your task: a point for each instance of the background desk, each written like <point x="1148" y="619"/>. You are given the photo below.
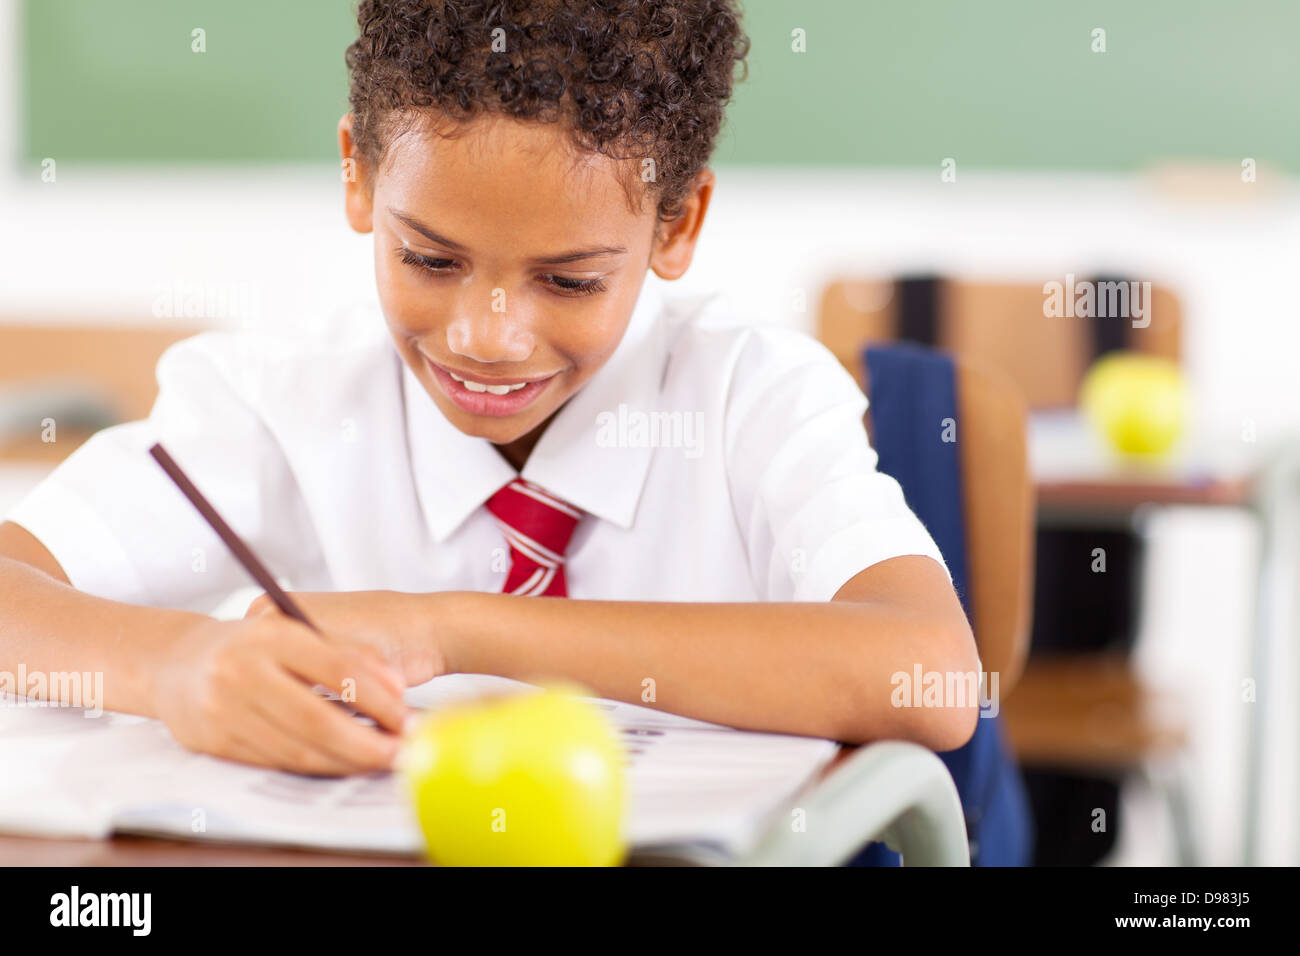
<point x="1090" y="711"/>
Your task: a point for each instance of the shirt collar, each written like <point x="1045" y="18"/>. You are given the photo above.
<point x="455" y="473"/>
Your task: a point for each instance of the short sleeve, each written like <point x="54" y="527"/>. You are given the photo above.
<point x="813" y="508"/>
<point x="122" y="530"/>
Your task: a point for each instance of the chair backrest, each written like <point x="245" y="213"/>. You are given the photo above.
<point x="968" y="479"/>
<point x="1000" y="325"/>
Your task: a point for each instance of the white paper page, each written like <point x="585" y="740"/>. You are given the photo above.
<point x="690" y="782"/>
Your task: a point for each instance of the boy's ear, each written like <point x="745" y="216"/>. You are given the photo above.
<point x="358" y="201"/>
<point x="674" y="245"/>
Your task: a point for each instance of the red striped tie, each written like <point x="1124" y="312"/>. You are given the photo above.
<point x="538" y="526"/>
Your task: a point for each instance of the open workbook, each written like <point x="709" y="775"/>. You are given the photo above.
<point x="698" y="791"/>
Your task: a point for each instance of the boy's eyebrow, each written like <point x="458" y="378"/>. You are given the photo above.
<point x="574" y="256"/>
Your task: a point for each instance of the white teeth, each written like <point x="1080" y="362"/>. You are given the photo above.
<point x="480" y="387"/>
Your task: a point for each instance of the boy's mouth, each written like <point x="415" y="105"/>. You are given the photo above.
<point x="497" y="397"/>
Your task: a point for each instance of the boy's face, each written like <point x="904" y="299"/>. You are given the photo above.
<point x="504" y="261"/>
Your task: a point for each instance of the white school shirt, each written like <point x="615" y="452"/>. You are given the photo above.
<point x="716" y="461"/>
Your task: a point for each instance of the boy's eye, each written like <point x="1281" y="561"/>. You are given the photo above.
<point x="424" y="262"/>
<point x="560" y="284"/>
<point x="576" y="286"/>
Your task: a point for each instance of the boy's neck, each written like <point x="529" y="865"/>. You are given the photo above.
<point x="517" y="451"/>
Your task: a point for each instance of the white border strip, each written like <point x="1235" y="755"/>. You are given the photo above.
<point x="10" y="65"/>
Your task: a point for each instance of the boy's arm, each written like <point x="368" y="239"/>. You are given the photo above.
<point x="49" y="627"/>
<point x="820" y="669"/>
<point x="236" y="689"/>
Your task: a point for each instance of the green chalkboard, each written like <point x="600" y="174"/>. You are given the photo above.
<point x="997" y="84"/>
<point x="1017" y="84"/>
<point x="119" y="81"/>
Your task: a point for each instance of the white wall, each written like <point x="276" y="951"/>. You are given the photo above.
<point x="96" y="245"/>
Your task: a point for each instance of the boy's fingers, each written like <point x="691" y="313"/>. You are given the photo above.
<point x="394" y="678"/>
<point x="376" y="662"/>
<point x="352" y="676"/>
<point x="308" y="722"/>
<point x="251" y="739"/>
<point x="280" y="752"/>
<point x="246" y="746"/>
<point x="260" y="605"/>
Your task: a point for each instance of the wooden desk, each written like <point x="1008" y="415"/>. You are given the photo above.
<point x="1059" y="495"/>
<point x="144" y="851"/>
<point x="1074" y="473"/>
<point x="148" y="851"/>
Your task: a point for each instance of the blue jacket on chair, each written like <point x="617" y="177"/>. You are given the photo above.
<point x="913" y="396"/>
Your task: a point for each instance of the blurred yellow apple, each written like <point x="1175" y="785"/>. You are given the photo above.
<point x="1136" y="402"/>
<point x="530" y="779"/>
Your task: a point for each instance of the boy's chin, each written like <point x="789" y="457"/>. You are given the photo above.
<point x="499" y="431"/>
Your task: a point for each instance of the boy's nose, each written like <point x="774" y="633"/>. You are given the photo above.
<point x="493" y="337"/>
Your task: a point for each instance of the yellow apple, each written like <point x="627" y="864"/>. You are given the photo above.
<point x="530" y="779"/>
<point x="1137" y="402"/>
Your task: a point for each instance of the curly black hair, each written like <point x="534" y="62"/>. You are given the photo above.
<point x="633" y="79"/>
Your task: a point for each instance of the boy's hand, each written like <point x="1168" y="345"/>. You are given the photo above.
<point x="243" y="690"/>
<point x="397" y="625"/>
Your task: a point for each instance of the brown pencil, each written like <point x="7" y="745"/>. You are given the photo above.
<point x="227" y="534"/>
<point x="245" y="556"/>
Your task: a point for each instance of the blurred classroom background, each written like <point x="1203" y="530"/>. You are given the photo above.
<point x="904" y="169"/>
